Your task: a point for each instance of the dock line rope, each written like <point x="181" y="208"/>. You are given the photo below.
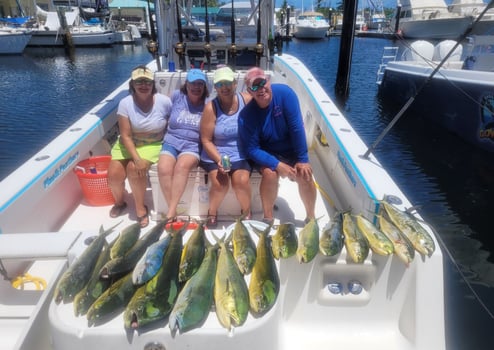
<point x="475" y="294"/>
<point x="20" y="281"/>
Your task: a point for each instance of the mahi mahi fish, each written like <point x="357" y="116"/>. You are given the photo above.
<point x="77" y="275"/>
<point x="244" y="248"/>
<point x="356" y="245"/>
<point x="196" y="297"/>
<point x="284" y="242"/>
<point x="122" y="265"/>
<point x="308" y="242"/>
<point x="378" y="241"/>
<point x="94" y="287"/>
<point x="331" y="241"/>
<point x="112" y="301"/>
<point x="154" y="300"/>
<point x="408" y="225"/>
<point x="192" y="253"/>
<point x="403" y="247"/>
<point x="125" y="240"/>
<point x="231" y="296"/>
<point x="149" y="264"/>
<point x="264" y="284"/>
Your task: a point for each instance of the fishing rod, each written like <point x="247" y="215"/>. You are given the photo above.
<point x="207" y="46"/>
<point x="180" y="46"/>
<point x="259" y="45"/>
<point x="152" y="45"/>
<point x="424" y="84"/>
<point x="233" y="48"/>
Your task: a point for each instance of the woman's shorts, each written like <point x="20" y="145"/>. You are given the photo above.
<point x="239" y="164"/>
<point x="173" y="152"/>
<point x="149" y="152"/>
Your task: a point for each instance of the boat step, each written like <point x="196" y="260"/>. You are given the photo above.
<point x="36" y="246"/>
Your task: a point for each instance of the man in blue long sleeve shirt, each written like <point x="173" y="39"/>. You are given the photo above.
<point x="271" y="130"/>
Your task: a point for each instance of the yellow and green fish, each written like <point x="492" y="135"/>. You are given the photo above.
<point x="378" y="241"/>
<point x="264" y="284"/>
<point x="78" y="274"/>
<point x="154" y="300"/>
<point x="192" y="253"/>
<point x="284" y="242"/>
<point x="408" y="225"/>
<point x="196" y="297"/>
<point x="403" y="247"/>
<point x="231" y="296"/>
<point x="331" y="240"/>
<point x="308" y="242"/>
<point x="355" y="243"/>
<point x="244" y="248"/>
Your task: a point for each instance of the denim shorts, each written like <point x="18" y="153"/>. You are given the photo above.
<point x="239" y="164"/>
<point x="173" y="152"/>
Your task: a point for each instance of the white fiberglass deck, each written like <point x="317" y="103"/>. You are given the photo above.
<point x="306" y="312"/>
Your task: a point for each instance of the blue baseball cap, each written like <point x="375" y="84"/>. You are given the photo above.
<point x="196" y="74"/>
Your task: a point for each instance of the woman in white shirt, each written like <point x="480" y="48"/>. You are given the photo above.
<point x="142" y="120"/>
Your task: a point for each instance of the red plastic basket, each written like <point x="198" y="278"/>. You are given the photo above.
<point x="92" y="175"/>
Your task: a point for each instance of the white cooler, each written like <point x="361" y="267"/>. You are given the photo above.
<point x="195" y="199"/>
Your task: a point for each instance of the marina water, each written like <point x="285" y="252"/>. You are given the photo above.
<point x="44" y="91"/>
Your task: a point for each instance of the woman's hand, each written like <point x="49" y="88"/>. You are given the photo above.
<point x="141" y="167"/>
<point x="284" y="170"/>
<point x="304" y="170"/>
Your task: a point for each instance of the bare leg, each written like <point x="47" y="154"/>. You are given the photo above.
<point x="183" y="166"/>
<point x="268" y="191"/>
<point x="308" y="193"/>
<point x="241" y="186"/>
<point x="138" y="185"/>
<point x="116" y="180"/>
<point x="218" y="190"/>
<point x="166" y="165"/>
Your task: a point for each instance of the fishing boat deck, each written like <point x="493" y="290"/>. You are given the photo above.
<point x="396" y="308"/>
<point x="304" y="298"/>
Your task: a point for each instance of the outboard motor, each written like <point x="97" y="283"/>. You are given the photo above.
<point x="444" y="47"/>
<point x="419" y="50"/>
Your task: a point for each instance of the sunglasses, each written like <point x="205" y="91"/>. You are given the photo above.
<point x="220" y="84"/>
<point x="197" y="83"/>
<point x="143" y="82"/>
<point x="260" y="84"/>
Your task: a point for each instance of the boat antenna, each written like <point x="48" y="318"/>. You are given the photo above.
<point x="152" y="45"/>
<point x="207" y="46"/>
<point x="259" y="45"/>
<point x="424" y="84"/>
<point x="233" y="48"/>
<point x="180" y="46"/>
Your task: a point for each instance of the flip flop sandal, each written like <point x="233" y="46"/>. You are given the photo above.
<point x="212" y="221"/>
<point x="117" y="210"/>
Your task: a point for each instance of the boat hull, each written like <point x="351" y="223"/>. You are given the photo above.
<point x="79" y="38"/>
<point x="457" y="100"/>
<point x="12" y="43"/>
<point x="310" y="32"/>
<point x="440" y="28"/>
<point x="311" y="25"/>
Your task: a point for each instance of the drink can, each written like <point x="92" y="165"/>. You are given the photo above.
<point x="171" y="66"/>
<point x="225" y="163"/>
